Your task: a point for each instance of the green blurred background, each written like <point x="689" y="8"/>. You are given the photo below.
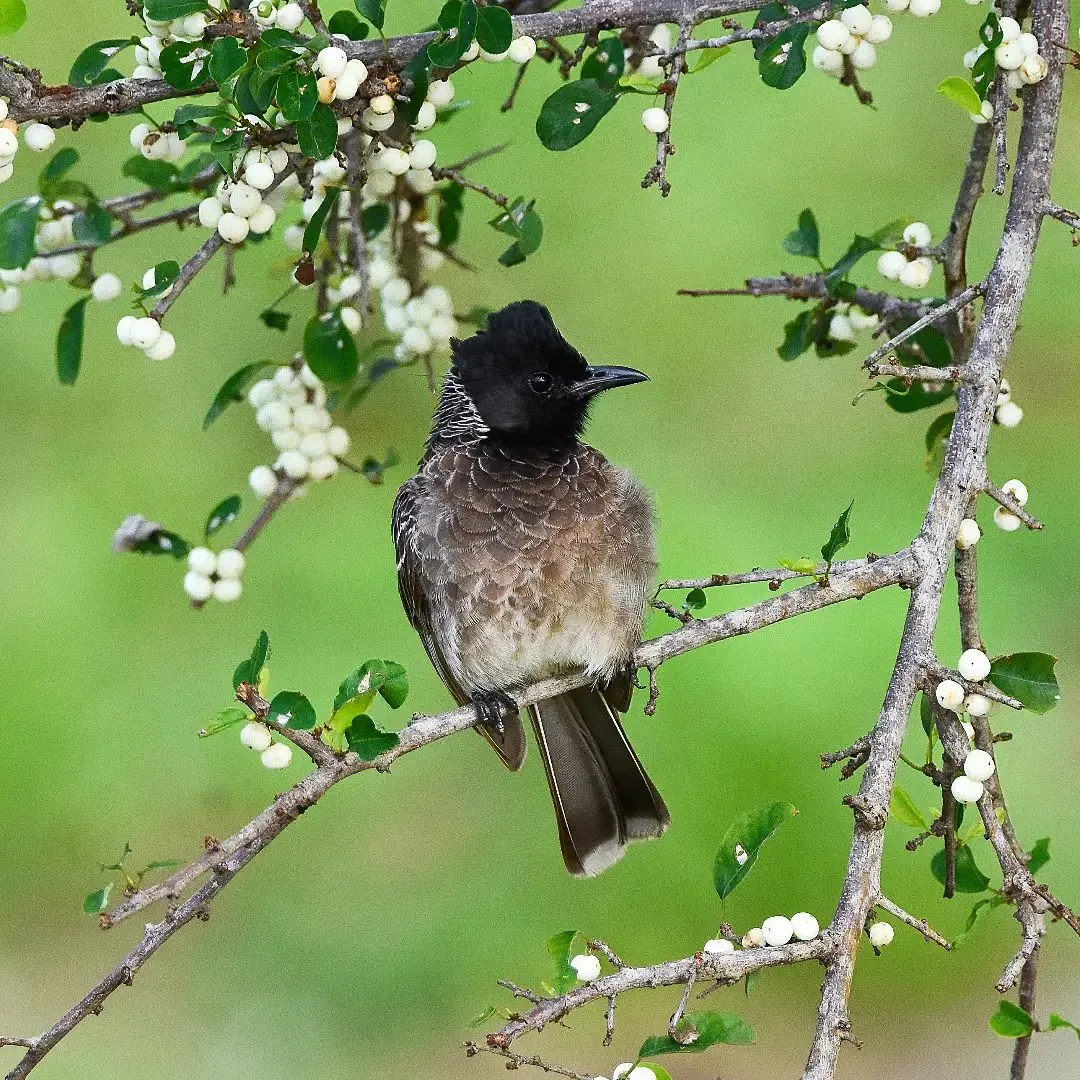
<point x="366" y="937"/>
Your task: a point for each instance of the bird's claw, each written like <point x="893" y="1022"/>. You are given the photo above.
<point x="491" y="707"/>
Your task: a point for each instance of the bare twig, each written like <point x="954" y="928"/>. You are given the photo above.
<point x="921" y="925"/>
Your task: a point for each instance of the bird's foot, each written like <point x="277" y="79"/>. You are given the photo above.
<point x="491" y="707"/>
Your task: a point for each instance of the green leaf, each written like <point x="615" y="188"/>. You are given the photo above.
<point x="395" y="687"/>
<point x="928" y="346"/>
<point x="345" y="22"/>
<point x="162" y="542"/>
<point x="905" y="399"/>
<point x="1029" y="677"/>
<point x="926" y="714"/>
<point x="607" y="62"/>
<point x="165" y="273"/>
<point x="494" y="29"/>
<point x="275" y="60"/>
<point x="318" y="219"/>
<point x="969" y="878"/>
<point x="275" y="320"/>
<point x="178" y="68"/>
<point x="1039" y="855"/>
<point x="446" y="52"/>
<point x="61" y="163"/>
<point x="560" y="948"/>
<point x="658" y="1070"/>
<point x="297" y="95"/>
<point x="93" y="226"/>
<point x="317" y="133"/>
<point x="903" y="808"/>
<point x="703" y="58"/>
<point x="860" y="246"/>
<point x="1056" y="1021"/>
<point x="330" y="349"/>
<point x="741" y="843"/>
<point x="698" y="1031"/>
<point x="839" y="538"/>
<point x="1011" y="1022"/>
<point x="937" y="438"/>
<point x="223" y="514"/>
<point x="801" y="566"/>
<point x="247" y="671"/>
<point x="374" y="219"/>
<point x="372" y="10"/>
<point x="367" y="741"/>
<point x="94" y="59"/>
<point x="227" y="57"/>
<point x="98" y="901"/>
<point x="798" y="336"/>
<point x="963" y="93"/>
<point x="571" y="113"/>
<point x="18" y="223"/>
<point x="12" y="16"/>
<point x="981" y="907"/>
<point x="804" y="240"/>
<point x="695" y="600"/>
<point x="780" y="67"/>
<point x="451" y="206"/>
<point x="159" y="175"/>
<point x="69" y="342"/>
<point x="232" y="389"/>
<point x="292" y="709"/>
<point x="163" y="10"/>
<point x="227" y="718"/>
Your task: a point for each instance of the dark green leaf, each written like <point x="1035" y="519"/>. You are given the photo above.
<point x="162" y="542"/>
<point x="345" y="22"/>
<point x="937" y="437"/>
<point x="165" y="273"/>
<point x="395" y="686"/>
<point x="903" y="808"/>
<point x="61" y="163"/>
<point x="232" y="389"/>
<point x="247" y="671"/>
<point x="928" y="346"/>
<point x="297" y="95"/>
<point x="18" y="224"/>
<point x="982" y="74"/>
<point x="572" y="112"/>
<point x="227" y="57"/>
<point x="783" y="61"/>
<point x="798" y="336"/>
<point x="293" y="710"/>
<point x="276" y="61"/>
<point x="699" y="1031"/>
<point x="223" y="514"/>
<point x="12" y="16"/>
<point x="860" y="246"/>
<point x="839" y="538"/>
<point x="275" y="320"/>
<point x="98" y="901"/>
<point x="902" y="398"/>
<point x="418" y="73"/>
<point x="1039" y="855"/>
<point x="69" y="342"/>
<point x="451" y="204"/>
<point x="330" y="349"/>
<point x="317" y="133"/>
<point x="159" y="175"/>
<point x="560" y="948"/>
<point x="494" y="29"/>
<point x="969" y="878"/>
<point x="608" y="62"/>
<point x="979" y="909"/>
<point x="804" y="240"/>
<point x="447" y="52"/>
<point x="374" y="219"/>
<point x="165" y="10"/>
<point x="741" y="843"/>
<point x="94" y="59"/>
<point x="1011" y="1022"/>
<point x="177" y="67"/>
<point x="695" y="600"/>
<point x="367" y="741"/>
<point x="926" y="714"/>
<point x="92" y="226"/>
<point x="372" y="10"/>
<point x="1029" y="677"/>
<point x="318" y="219"/>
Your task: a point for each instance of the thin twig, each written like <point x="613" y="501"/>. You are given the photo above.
<point x="921" y="925"/>
<point x="1012" y="506"/>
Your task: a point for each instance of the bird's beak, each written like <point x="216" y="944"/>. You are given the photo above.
<point x="604" y="378"/>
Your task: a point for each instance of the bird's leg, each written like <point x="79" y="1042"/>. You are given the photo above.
<point x="491" y="706"/>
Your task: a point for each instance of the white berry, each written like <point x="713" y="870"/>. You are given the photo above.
<point x="979" y="765"/>
<point x="145" y="332"/>
<point x="233" y="228"/>
<point x="833" y="34"/>
<point x="864" y="56"/>
<point x="440" y="93"/>
<point x="1009" y="414"/>
<point x="8" y="143"/>
<point x="277" y="756"/>
<point x="655" y="120"/>
<point x="753" y="938"/>
<point x="804" y="926"/>
<point x="1010" y="28"/>
<point x="123" y="329"/>
<point x="968" y="534"/>
<point x="210" y="211"/>
<point x="202" y="560"/>
<point x="881" y="934"/>
<point x="263" y="481"/>
<point x="777" y="929"/>
<point x="976" y="705"/>
<point x="521" y="50"/>
<point x="923" y="9"/>
<point x="717" y="947"/>
<point x="294" y="464"/>
<point x="973" y="665"/>
<point x="227" y="590"/>
<point x="381" y="104"/>
<point x="106" y="287"/>
<point x="890" y="264"/>
<point x="880" y="30"/>
<point x="826" y="60"/>
<point x="1017" y="489"/>
<point x="425" y="116"/>
<point x="331" y="61"/>
<point x="255" y="736"/>
<point x="262" y="221"/>
<point x="917" y="273"/>
<point x="423" y="152"/>
<point x="967" y="791"/>
<point x="949" y="694"/>
<point x="586" y="967"/>
<point x="38" y="137"/>
<point x="163" y="348"/>
<point x="918" y="234"/>
<point x="230" y="563"/>
<point x="857" y="19"/>
<point x="198" y="586"/>
<point x="290" y="17"/>
<point x="1009" y="55"/>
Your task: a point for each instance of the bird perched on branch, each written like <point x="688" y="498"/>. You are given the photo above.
<point x="523" y="554"/>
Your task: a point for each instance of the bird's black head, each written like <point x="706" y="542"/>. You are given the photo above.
<point x="527" y="381"/>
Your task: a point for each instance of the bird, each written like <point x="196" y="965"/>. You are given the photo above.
<point x="523" y="554"/>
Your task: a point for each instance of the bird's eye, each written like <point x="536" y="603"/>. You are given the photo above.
<point x="541" y="382"/>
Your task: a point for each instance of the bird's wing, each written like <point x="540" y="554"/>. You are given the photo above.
<point x="509" y="744"/>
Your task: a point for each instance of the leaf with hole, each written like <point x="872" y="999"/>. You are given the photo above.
<point x="607" y="62"/>
<point x="225" y="513"/>
<point x="292" y="710"/>
<point x="297" y="95"/>
<point x="184" y="65"/>
<point x="783" y="61"/>
<point x="572" y="112"/>
<point x="330" y="349"/>
<point x="698" y="1031"/>
<point x="742" y="842"/>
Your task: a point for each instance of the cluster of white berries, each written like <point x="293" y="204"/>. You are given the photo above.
<point x="292" y="408"/>
<point x="54" y="231"/>
<point x="914" y="272"/>
<point x="1004" y="518"/>
<point x="978" y="768"/>
<point x="779" y="930"/>
<point x="855" y="34"/>
<point x="1006" y="411"/>
<point x="340" y="78"/>
<point x="214" y="574"/>
<point x="146" y="333"/>
<point x="848" y="321"/>
<point x="974" y="666"/>
<point x="284" y="14"/>
<point x="239" y="207"/>
<point x="256" y="736"/>
<point x="36" y="137"/>
<point x="426" y="322"/>
<point x="1017" y="55"/>
<point x="162" y="33"/>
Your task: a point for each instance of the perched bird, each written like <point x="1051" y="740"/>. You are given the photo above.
<point x="523" y="554"/>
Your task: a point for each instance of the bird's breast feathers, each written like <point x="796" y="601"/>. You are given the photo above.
<point x="532" y="563"/>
